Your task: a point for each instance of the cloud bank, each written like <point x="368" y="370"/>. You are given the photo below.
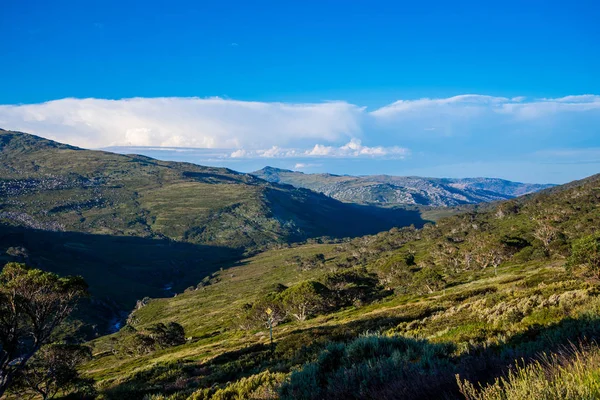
<point x="305" y="130"/>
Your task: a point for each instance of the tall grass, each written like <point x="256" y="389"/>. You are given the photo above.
<point x="571" y="373"/>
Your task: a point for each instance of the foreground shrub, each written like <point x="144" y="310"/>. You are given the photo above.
<point x="371" y="367"/>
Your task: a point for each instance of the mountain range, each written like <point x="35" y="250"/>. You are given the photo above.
<point x="402" y="190"/>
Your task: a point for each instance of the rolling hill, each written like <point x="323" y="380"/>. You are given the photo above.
<point x="403" y="190"/>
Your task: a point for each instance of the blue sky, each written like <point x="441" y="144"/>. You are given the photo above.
<point x="334" y="86"/>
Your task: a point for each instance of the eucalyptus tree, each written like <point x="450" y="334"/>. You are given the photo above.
<point x="33" y="304"/>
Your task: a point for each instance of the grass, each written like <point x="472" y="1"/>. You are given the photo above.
<point x="573" y="373"/>
<point x="465" y="315"/>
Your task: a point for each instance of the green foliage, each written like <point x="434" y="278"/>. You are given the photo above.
<point x="306" y="299"/>
<point x="352" y="286"/>
<point x="571" y="374"/>
<point x="307" y="263"/>
<point x="260" y="387"/>
<point x="53" y="370"/>
<point x="149" y="339"/>
<point x="167" y="335"/>
<point x="427" y="280"/>
<point x="360" y="368"/>
<point x="586" y="252"/>
<point x="33" y="304"/>
<point x="255" y="315"/>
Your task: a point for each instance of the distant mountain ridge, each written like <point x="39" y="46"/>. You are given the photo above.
<point x="403" y="190"/>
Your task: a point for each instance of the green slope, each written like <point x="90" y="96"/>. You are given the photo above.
<point x="505" y="295"/>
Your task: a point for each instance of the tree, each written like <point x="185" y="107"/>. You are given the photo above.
<point x="352" y="286"/>
<point x="53" y="369"/>
<point x="305" y="299"/>
<point x="33" y="303"/>
<point x="255" y="315"/>
<point x="169" y="335"/>
<point x="428" y="280"/>
<point x="545" y="232"/>
<point x="586" y="252"/>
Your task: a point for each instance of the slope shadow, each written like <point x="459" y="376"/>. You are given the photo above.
<point x="118" y="269"/>
<point x="315" y="214"/>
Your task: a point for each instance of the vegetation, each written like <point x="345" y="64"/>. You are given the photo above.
<point x="403" y="311"/>
<point x="52" y="186"/>
<point x="586" y="253"/>
<point x="492" y="295"/>
<point x="33" y="304"/>
<point x="571" y="374"/>
<point x="53" y="370"/>
<point x="134" y="227"/>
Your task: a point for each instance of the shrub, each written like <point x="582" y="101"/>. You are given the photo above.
<point x="427" y="280"/>
<point x="586" y="252"/>
<point x="352" y="286"/>
<point x="171" y="334"/>
<point x="260" y="386"/>
<point x="255" y="315"/>
<point x="366" y="366"/>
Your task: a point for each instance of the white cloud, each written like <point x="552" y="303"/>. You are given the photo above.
<point x="478" y="115"/>
<point x="306" y="165"/>
<point x="354" y="148"/>
<point x="246" y="130"/>
<point x="184" y="122"/>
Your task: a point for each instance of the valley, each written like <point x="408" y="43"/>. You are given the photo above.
<point x="350" y="289"/>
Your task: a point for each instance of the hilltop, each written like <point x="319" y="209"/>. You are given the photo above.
<point x="404" y="190"/>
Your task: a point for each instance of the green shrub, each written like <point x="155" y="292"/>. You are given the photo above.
<point x="364" y="366"/>
<point x="171" y="334"/>
<point x="586" y="252"/>
<point x="305" y="299"/>
<point x="260" y="386"/>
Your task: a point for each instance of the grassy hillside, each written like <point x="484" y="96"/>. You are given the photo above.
<point x="468" y="297"/>
<point x="404" y="190"/>
<point x="52" y="186"/>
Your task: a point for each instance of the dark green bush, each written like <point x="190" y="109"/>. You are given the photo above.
<point x="359" y="369"/>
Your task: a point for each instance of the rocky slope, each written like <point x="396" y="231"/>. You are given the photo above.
<point x="385" y="189"/>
